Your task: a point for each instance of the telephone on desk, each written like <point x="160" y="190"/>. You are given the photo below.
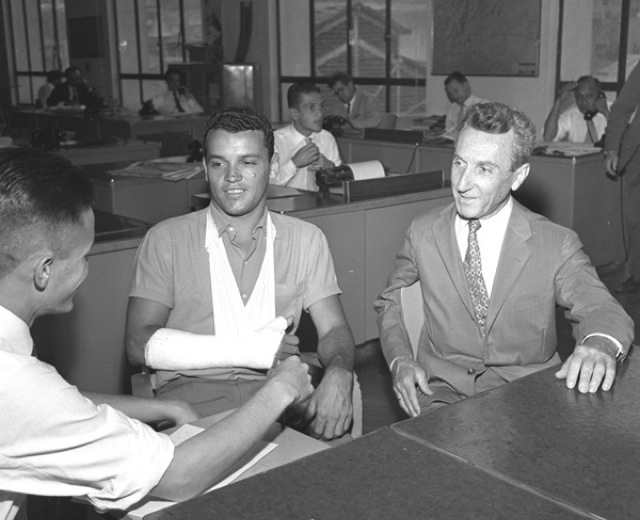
<point x="334" y="176"/>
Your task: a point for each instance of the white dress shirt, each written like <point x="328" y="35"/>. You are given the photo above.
<point x="287" y="143"/>
<point x="166" y="104"/>
<point x="572" y="126"/>
<point x="55" y="442"/>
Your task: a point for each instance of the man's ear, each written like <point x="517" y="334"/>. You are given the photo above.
<point x="519" y="176"/>
<point x="274" y="166"/>
<point x="42" y="272"/>
<point x="294" y="113"/>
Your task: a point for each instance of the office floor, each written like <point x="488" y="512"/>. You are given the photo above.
<point x="380" y="407"/>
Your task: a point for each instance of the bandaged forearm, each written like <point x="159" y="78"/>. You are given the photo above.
<point x="170" y="349"/>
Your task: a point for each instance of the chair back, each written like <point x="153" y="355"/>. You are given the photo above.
<point x="388" y="121"/>
<point x="412" y="313"/>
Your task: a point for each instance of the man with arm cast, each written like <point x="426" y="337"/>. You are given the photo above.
<point x="213" y="290"/>
<point x="491" y="273"/>
<point x="54" y="440"/>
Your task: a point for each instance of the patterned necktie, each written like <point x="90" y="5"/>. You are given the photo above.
<point x="472" y="266"/>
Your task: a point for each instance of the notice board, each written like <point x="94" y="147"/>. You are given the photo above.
<point x="486" y="37"/>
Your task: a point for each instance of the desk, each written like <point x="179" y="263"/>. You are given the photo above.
<point x="173" y="133"/>
<point x="579" y="449"/>
<point x="571" y="191"/>
<point x="379" y="476"/>
<point x="93" y="152"/>
<point x="529" y="449"/>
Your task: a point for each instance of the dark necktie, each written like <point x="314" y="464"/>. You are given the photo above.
<point x="592" y="135"/>
<point x="472" y="266"/>
<point x="177" y="100"/>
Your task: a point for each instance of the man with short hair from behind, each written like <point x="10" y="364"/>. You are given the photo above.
<point x="55" y="440"/>
<point x="303" y="147"/>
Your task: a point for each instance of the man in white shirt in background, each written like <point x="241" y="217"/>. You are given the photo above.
<point x="583" y="121"/>
<point x="459" y="93"/>
<point x="55" y="440"/>
<point x="177" y="100"/>
<point x="303" y="147"/>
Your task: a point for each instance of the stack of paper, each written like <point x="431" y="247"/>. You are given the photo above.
<point x="171" y="171"/>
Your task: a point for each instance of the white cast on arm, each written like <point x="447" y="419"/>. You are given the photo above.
<point x="170" y="349"/>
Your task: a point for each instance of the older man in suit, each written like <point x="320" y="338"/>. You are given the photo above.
<point x="491" y="273"/>
<point x="623" y="160"/>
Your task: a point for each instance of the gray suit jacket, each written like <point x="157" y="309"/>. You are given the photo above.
<point x="541" y="264"/>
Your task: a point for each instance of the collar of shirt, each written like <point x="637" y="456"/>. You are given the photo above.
<point x="224" y="224"/>
<point x="490" y="237"/>
<point x="301" y="139"/>
<point x="15" y="332"/>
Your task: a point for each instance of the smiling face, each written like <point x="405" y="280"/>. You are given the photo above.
<point x="307" y="116"/>
<point x="481" y="176"/>
<point x="237" y="168"/>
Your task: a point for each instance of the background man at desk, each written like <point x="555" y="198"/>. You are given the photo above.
<point x="54" y="441"/>
<point x="459" y="93"/>
<point x="229" y="270"/>
<point x="177" y="99"/>
<point x="491" y="273"/>
<point x="75" y="91"/>
<point x="360" y="109"/>
<point x="582" y="122"/>
<point x="303" y="146"/>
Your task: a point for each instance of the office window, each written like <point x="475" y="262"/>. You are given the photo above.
<point x="153" y="34"/>
<point x="381" y="44"/>
<point x="599" y="37"/>
<point x="38" y="37"/>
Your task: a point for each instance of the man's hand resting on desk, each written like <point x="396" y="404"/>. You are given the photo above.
<point x="591" y="365"/>
<point x="406" y="374"/>
<point x="331" y="405"/>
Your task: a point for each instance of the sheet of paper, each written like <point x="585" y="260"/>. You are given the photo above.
<point x="367" y="170"/>
<point x="179" y="436"/>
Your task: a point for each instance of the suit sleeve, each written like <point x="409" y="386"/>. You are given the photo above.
<point x="622" y="110"/>
<point x="393" y="334"/>
<point x="590" y="307"/>
<point x="369" y="116"/>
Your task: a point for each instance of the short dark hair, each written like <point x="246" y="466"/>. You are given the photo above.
<point x="70" y="70"/>
<point x="455" y="76"/>
<point x="297" y="90"/>
<point x="240" y="119"/>
<point x="498" y="118"/>
<point x="41" y="195"/>
<point x="341" y="77"/>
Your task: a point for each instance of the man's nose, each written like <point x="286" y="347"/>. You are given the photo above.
<point x="233" y="174"/>
<point x="465" y="179"/>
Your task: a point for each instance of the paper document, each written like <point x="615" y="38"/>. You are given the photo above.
<point x="183" y="433"/>
<point x="367" y="170"/>
<point x="167" y="168"/>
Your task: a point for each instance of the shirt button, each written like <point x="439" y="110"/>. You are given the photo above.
<point x="231" y="228"/>
<point x="471" y="371"/>
<point x="244" y="296"/>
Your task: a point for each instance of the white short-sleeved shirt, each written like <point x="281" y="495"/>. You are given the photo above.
<point x="55" y="442"/>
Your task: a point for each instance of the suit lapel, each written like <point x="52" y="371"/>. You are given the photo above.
<point x="445" y="239"/>
<point x="514" y="256"/>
